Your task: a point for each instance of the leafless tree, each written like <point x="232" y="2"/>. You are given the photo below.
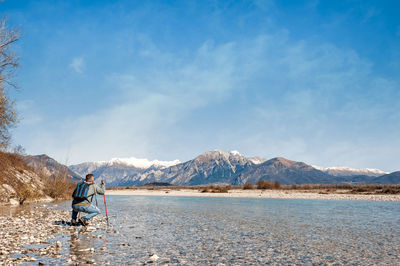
<point x="8" y="64"/>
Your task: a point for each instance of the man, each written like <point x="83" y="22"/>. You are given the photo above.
<point x="83" y="196"/>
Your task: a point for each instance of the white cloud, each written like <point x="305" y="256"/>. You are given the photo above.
<point x="78" y="64"/>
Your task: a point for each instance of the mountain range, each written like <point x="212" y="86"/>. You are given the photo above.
<point x="219" y="167"/>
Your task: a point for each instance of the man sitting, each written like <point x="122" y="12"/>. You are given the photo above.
<point x="83" y="196"/>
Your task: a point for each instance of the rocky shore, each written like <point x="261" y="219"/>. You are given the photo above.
<point x="35" y="234"/>
<point x="29" y="235"/>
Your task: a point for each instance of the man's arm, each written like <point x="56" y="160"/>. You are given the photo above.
<point x="100" y="190"/>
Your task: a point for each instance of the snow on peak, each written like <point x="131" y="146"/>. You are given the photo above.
<point x="257" y="160"/>
<point x="319" y="167"/>
<point x="343" y="170"/>
<point x="223" y="153"/>
<point x="235" y="153"/>
<point x="143" y="163"/>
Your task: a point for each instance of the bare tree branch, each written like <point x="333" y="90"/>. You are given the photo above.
<point x="8" y="64"/>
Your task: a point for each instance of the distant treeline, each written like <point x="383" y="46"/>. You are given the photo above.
<point x="275" y="185"/>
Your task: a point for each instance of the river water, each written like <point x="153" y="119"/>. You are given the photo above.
<point x="194" y="230"/>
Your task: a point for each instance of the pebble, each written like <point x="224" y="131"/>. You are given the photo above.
<point x="154" y="258"/>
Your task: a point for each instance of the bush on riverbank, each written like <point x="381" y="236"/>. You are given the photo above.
<point x="249" y="186"/>
<point x="58" y="187"/>
<point x="263" y="184"/>
<point x="216" y="189"/>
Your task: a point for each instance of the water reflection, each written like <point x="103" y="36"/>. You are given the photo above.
<point x="81" y="245"/>
<point x="14" y="211"/>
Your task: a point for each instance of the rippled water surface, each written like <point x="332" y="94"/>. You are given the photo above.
<point x="191" y="230"/>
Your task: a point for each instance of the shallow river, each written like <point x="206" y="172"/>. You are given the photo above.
<point x="193" y="230"/>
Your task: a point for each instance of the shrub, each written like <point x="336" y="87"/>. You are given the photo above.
<point x="216" y="189"/>
<point x="277" y="185"/>
<point x="221" y="190"/>
<point x="263" y="184"/>
<point x="26" y="192"/>
<point x="204" y="190"/>
<point x="58" y="187"/>
<point x="390" y="190"/>
<point x="249" y="186"/>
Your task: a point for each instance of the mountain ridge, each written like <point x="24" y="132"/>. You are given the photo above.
<point x="49" y="167"/>
<point x="220" y="167"/>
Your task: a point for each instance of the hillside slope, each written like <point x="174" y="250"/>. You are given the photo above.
<point x="18" y="182"/>
<point x="49" y="167"/>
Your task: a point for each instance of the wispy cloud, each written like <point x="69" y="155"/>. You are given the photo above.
<point x="371" y="12"/>
<point x="302" y="100"/>
<point x="78" y="64"/>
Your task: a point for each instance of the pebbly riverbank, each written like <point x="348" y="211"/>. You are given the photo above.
<point x="37" y="234"/>
<point x="29" y="233"/>
<point x="268" y="194"/>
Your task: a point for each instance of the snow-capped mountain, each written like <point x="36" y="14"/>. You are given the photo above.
<point x="231" y="168"/>
<point x="142" y="163"/>
<point x="208" y="168"/>
<point x="117" y="168"/>
<point x="219" y="167"/>
<point x="347" y="171"/>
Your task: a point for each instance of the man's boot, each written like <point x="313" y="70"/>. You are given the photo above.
<point x="83" y="222"/>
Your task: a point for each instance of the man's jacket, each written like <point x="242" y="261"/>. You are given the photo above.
<point x="92" y="189"/>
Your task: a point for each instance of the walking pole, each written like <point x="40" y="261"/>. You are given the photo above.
<point x="105" y="205"/>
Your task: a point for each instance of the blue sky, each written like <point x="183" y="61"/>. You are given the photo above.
<point x="314" y="81"/>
